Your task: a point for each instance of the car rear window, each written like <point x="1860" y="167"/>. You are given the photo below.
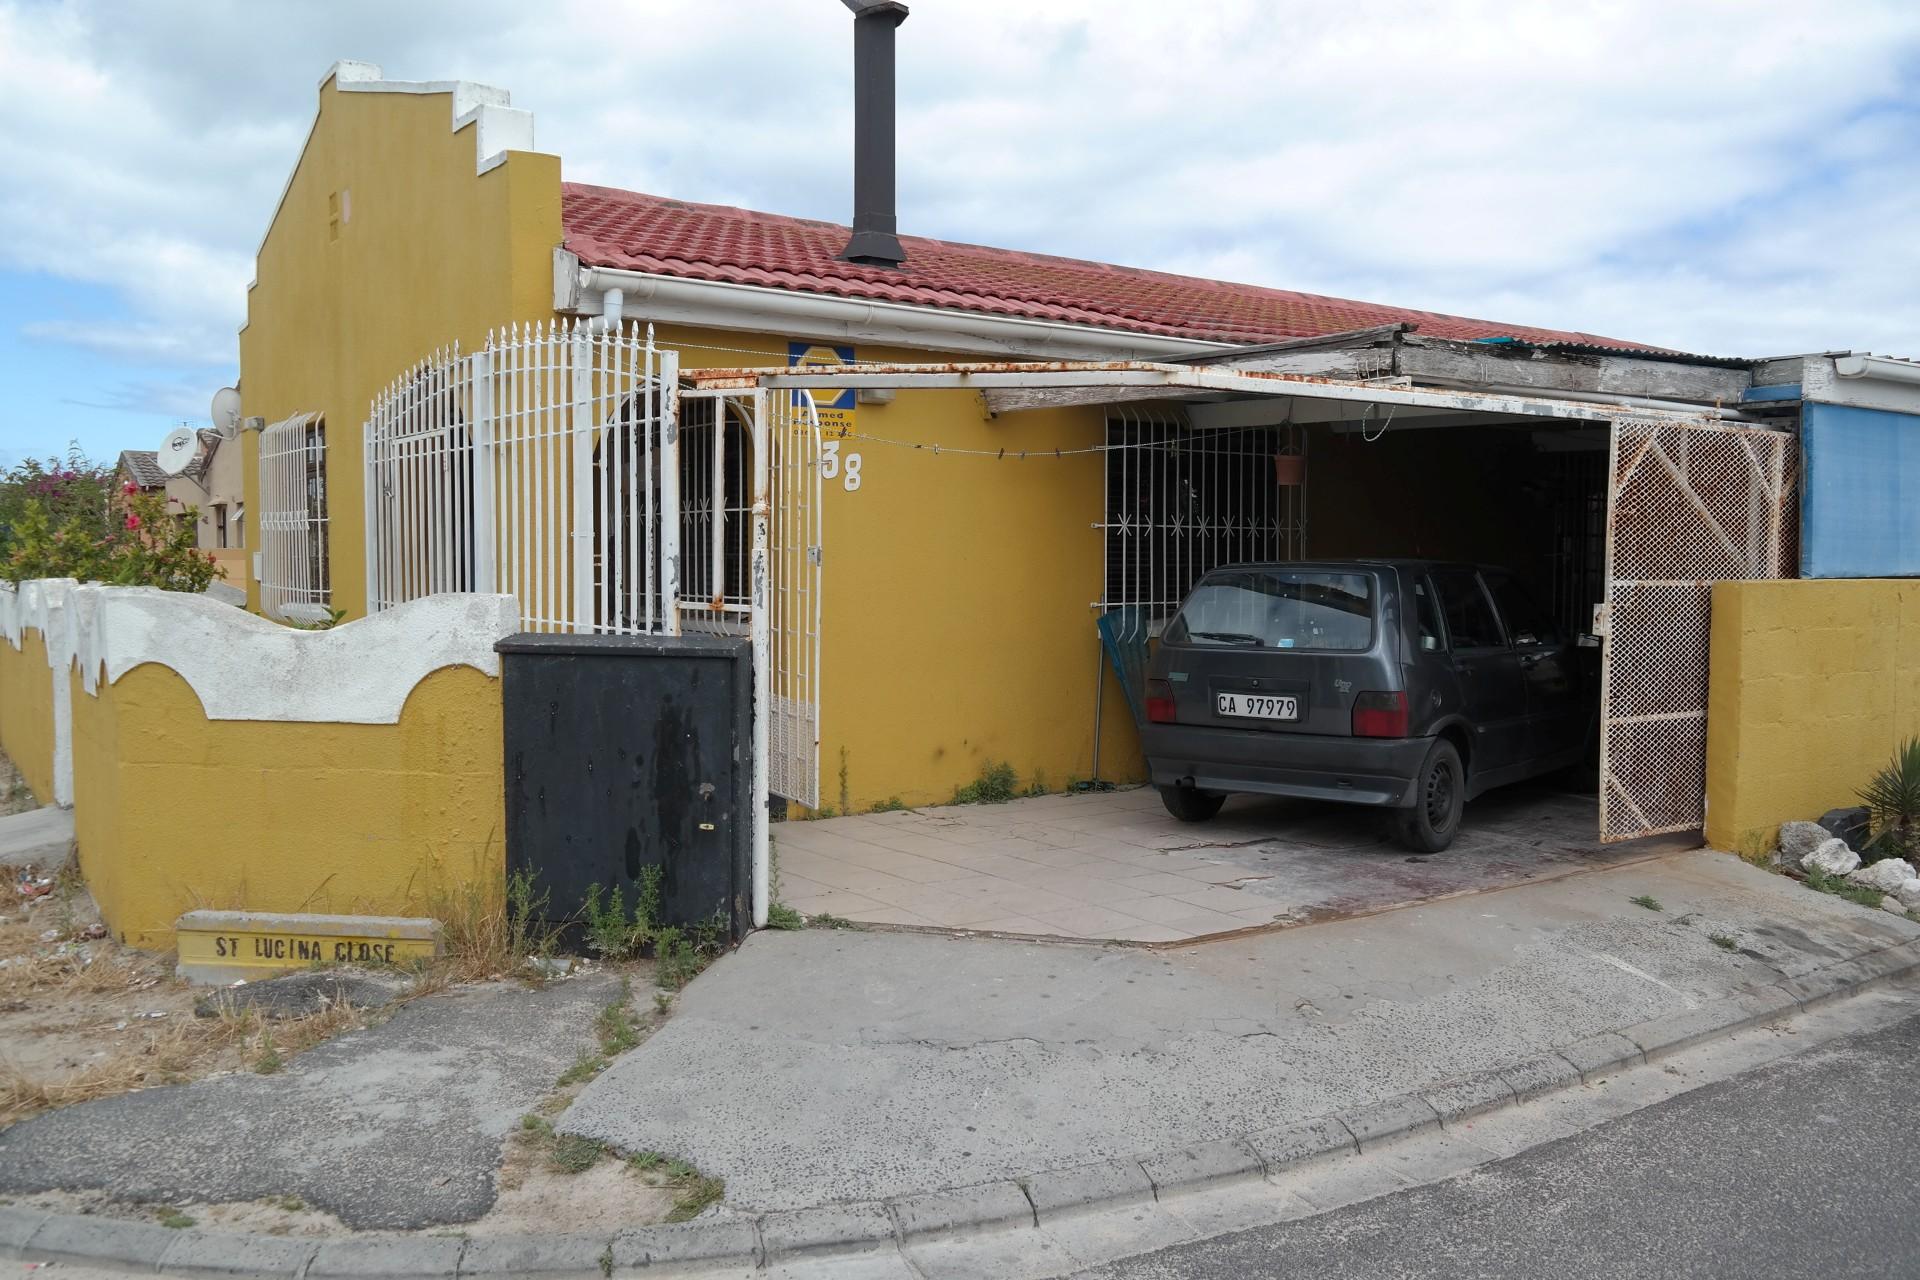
<point x="1310" y="609"/>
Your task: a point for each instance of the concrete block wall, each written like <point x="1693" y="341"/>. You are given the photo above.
<point x="1813" y="685"/>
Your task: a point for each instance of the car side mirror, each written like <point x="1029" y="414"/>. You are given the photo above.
<point x="1429" y="643"/>
<point x="1587" y="640"/>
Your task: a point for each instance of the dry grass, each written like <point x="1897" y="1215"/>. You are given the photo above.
<point x="490" y="929"/>
<point x="15" y="796"/>
<point x="173" y="1053"/>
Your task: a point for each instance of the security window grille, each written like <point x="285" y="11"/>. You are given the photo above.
<point x="1181" y="502"/>
<point x="295" y="571"/>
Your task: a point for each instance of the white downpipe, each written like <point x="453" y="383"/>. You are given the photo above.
<point x="762" y="639"/>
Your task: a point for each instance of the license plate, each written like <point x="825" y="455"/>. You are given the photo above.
<point x="1257" y="706"/>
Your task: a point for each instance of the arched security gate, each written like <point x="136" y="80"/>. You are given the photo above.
<point x="564" y="464"/>
<point x="1689" y="504"/>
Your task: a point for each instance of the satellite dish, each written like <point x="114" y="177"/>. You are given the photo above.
<point x="178" y="450"/>
<point x="226" y="411"/>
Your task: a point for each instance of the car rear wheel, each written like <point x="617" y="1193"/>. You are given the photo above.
<point x="1439" y="792"/>
<point x="1190" y="804"/>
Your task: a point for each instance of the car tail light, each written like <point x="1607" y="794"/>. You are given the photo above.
<point x="1159" y="702"/>
<point x="1380" y="715"/>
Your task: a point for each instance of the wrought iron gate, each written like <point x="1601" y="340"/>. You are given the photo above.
<point x="563" y="464"/>
<point x="1688" y="504"/>
<point x="793" y="604"/>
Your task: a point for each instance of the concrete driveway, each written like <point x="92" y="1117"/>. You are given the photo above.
<point x="1114" y="866"/>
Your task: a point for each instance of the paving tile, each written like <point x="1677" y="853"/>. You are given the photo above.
<point x="863" y="880"/>
<point x="1220" y="873"/>
<point x="1015" y="924"/>
<point x="1159" y="883"/>
<point x="1159" y="910"/>
<point x="1214" y="898"/>
<point x="893" y="915"/>
<point x="1202" y="923"/>
<point x="848" y="905"/>
<point x="1092" y="889"/>
<point x="1089" y="922"/>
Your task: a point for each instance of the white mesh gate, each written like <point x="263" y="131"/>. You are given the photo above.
<point x="1689" y="504"/>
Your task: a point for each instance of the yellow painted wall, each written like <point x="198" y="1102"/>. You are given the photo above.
<point x="428" y="254"/>
<point x="1813" y="684"/>
<point x="26" y="712"/>
<point x="957" y="627"/>
<point x="173" y="811"/>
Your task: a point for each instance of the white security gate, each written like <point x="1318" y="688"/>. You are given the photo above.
<point x="544" y="466"/>
<point x="1689" y="504"/>
<point x="563" y="464"/>
<point x="793" y="605"/>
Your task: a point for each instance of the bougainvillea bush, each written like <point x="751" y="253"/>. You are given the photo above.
<point x="68" y="521"/>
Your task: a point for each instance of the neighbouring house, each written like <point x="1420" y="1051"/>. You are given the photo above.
<point x="141" y="468"/>
<point x="465" y="373"/>
<point x="212" y="484"/>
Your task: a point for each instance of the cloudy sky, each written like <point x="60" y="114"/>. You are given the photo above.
<point x="1740" y="178"/>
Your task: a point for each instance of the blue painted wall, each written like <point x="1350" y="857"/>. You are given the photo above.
<point x="1859" y="493"/>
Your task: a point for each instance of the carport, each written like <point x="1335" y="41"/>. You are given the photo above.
<point x="1620" y="486"/>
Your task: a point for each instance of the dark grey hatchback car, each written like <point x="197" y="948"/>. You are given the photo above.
<point x="1409" y="685"/>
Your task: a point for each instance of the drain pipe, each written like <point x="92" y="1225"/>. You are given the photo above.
<point x="613" y="305"/>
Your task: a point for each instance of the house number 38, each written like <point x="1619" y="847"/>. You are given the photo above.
<point x="830" y="466"/>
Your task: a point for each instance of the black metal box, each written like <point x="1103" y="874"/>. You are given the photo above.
<point x="629" y="752"/>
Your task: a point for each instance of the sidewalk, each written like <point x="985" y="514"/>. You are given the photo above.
<point x="826" y="1066"/>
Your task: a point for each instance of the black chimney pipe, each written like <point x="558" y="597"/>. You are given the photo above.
<point x="873" y="242"/>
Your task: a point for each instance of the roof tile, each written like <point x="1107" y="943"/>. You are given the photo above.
<point x="609" y="227"/>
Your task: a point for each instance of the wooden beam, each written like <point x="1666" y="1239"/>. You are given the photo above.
<point x="1516" y="365"/>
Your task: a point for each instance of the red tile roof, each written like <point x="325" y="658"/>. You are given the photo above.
<point x="608" y="227"/>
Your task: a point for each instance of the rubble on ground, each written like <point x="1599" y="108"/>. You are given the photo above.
<point x="1886" y="875"/>
<point x="1833" y="858"/>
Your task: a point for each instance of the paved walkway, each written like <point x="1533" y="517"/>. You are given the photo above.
<point x="1115" y="866"/>
<point x="826" y="1065"/>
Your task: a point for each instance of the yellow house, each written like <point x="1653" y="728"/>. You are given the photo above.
<point x="967" y="541"/>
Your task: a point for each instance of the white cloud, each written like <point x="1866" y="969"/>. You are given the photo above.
<point x="1730" y="177"/>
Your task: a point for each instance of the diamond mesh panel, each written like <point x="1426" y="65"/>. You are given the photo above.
<point x="1689" y="505"/>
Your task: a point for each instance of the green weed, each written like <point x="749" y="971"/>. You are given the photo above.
<point x="826" y="921"/>
<point x="782" y="916"/>
<point x="1840" y="888"/>
<point x="574" y="1154"/>
<point x="171" y="1217"/>
<point x="892" y="804"/>
<point x="585" y="1067"/>
<point x="1648" y="901"/>
<point x="1723" y="942"/>
<point x="997" y="784"/>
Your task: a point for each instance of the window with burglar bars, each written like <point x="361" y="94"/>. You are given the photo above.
<point x="716" y="513"/>
<point x="1182" y="501"/>
<point x="295" y="570"/>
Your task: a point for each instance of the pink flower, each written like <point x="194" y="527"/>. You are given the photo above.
<point x="129" y="488"/>
<point x="133" y="521"/>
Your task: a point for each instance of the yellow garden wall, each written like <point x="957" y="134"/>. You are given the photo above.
<point x="221" y="760"/>
<point x="174" y="811"/>
<point x="1813" y="684"/>
<point x="26" y="712"/>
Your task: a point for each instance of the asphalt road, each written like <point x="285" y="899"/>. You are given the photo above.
<point x="1807" y="1167"/>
